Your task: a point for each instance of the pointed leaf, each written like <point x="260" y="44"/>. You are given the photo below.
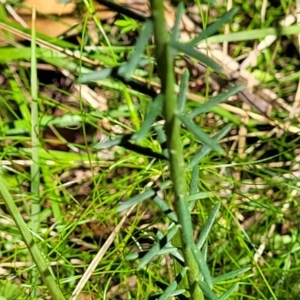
<point x="214" y="27"/>
<point x="205" y="107"/>
<point x="154" y="111"/>
<point x="230" y="275"/>
<point x="203" y="267"/>
<point x="173" y="285"/>
<point x="136" y="199"/>
<point x="164" y="207"/>
<point x="198" y="196"/>
<point x="178" y="18"/>
<point x="154" y="250"/>
<point x="127" y="70"/>
<point x="183" y="88"/>
<point x="108" y="143"/>
<point x="207" y="291"/>
<point x="208" y="225"/>
<point x="191" y="51"/>
<point x="199" y="134"/>
<point x="141" y="197"/>
<point x="206" y="149"/>
<point x="93" y="76"/>
<point x="228" y="293"/>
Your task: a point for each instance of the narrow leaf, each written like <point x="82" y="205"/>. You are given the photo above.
<point x="205" y="107"/>
<point x="173" y="285"/>
<point x="141" y="197"/>
<point x="200" y="195"/>
<point x="158" y="246"/>
<point x="207" y="291"/>
<point x="193" y="187"/>
<point x="108" y="143"/>
<point x="164" y="207"/>
<point x="191" y="51"/>
<point x="206" y="149"/>
<point x="93" y="76"/>
<point x="199" y="134"/>
<point x="154" y="111"/>
<point x="203" y="267"/>
<point x="127" y="69"/>
<point x="183" y="88"/>
<point x="208" y="225"/>
<point x="214" y="27"/>
<point x="135" y="200"/>
<point x="228" y="293"/>
<point x="178" y="18"/>
<point x="230" y="275"/>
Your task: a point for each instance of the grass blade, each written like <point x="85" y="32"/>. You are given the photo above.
<point x="254" y="34"/>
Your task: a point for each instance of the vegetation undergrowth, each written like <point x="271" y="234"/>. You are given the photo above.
<point x="145" y="166"/>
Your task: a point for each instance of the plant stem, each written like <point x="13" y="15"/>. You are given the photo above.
<point x="166" y="73"/>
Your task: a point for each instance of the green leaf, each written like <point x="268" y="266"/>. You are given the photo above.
<point x="199" y="134"/>
<point x="183" y="88"/>
<point x="154" y="111"/>
<point x="136" y="199"/>
<point x="208" y="225"/>
<point x="178" y="18"/>
<point x="202" y="265"/>
<point x="230" y="275"/>
<point x="198" y="196"/>
<point x="154" y="250"/>
<point x="207" y="106"/>
<point x="164" y="207"/>
<point x="172" y="286"/>
<point x="205" y="150"/>
<point x="149" y="193"/>
<point x="228" y="293"/>
<point x="93" y="76"/>
<point x="108" y="144"/>
<point x="191" y="51"/>
<point x="211" y="29"/>
<point x="194" y="186"/>
<point x="207" y="291"/>
<point x="127" y="69"/>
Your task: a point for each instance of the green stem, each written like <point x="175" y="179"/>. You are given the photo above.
<point x="166" y="73"/>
